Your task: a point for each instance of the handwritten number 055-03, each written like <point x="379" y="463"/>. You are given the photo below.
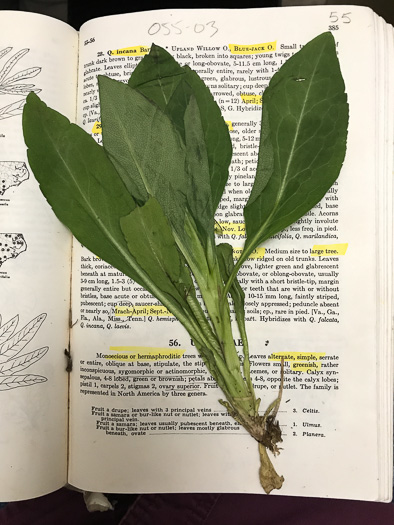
<point x="167" y="28"/>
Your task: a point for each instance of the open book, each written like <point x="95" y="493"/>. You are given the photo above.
<point x="139" y="412"/>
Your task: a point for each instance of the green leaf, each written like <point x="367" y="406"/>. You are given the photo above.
<point x="87" y="194"/>
<point x="151" y="242"/>
<point x="144" y="147"/>
<point x="199" y="190"/>
<point x="176" y="107"/>
<point x="303" y="140"/>
<point x="158" y="76"/>
<point x="79" y="181"/>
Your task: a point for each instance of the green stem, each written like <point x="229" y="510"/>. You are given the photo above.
<point x="206" y="330"/>
<point x="246" y="362"/>
<point x="235" y="270"/>
<point x="203" y="263"/>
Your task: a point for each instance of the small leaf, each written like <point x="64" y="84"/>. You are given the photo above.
<point x="5" y="51"/>
<point x="22" y="75"/>
<point x="8" y="382"/>
<point x="303" y="140"/>
<point x="18" y="89"/>
<point x="7" y="329"/>
<point x="12" y="346"/>
<point x="24" y="361"/>
<point x="12" y="109"/>
<point x="11" y="63"/>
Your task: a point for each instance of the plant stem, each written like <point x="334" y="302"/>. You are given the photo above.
<point x="235" y="271"/>
<point x="215" y="343"/>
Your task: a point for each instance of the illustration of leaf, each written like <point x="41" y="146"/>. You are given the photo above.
<point x="12" y="109"/>
<point x="21" y="89"/>
<point x="11" y="63"/>
<point x="22" y="75"/>
<point x="4" y="51"/>
<point x="8" y="329"/>
<point x="18" y="87"/>
<point x="17" y="342"/>
<point x="8" y="382"/>
<point x="24" y="361"/>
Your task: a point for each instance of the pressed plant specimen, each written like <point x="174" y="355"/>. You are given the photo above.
<point x="145" y="202"/>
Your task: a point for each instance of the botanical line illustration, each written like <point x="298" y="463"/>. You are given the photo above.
<point x="12" y="173"/>
<point x="11" y="84"/>
<point x="11" y="245"/>
<point x="11" y="344"/>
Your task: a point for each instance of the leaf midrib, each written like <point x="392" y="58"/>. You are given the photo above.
<point x="133" y="155"/>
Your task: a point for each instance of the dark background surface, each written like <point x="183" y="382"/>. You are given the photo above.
<point x="66" y="507"/>
<point x="76" y="12"/>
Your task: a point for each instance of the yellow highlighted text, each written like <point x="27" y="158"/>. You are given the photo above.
<point x="296" y="356"/>
<point x="97" y="127"/>
<point x="301" y="361"/>
<point x="329" y="250"/>
<point x="142" y="310"/>
<point x="254" y="49"/>
<point x="252" y="99"/>
<point x="236" y="228"/>
<point x="143" y="353"/>
<point x="135" y="51"/>
<point x="229" y="125"/>
<point x="304" y="367"/>
<point x="258" y="253"/>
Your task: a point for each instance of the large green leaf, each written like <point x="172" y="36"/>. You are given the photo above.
<point x="158" y="76"/>
<point x="88" y="196"/>
<point x="151" y="242"/>
<point x="151" y="158"/>
<point x="144" y="147"/>
<point x="79" y="181"/>
<point x="303" y="140"/>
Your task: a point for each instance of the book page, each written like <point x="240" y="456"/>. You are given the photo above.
<point x="40" y="53"/>
<point x="145" y="413"/>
